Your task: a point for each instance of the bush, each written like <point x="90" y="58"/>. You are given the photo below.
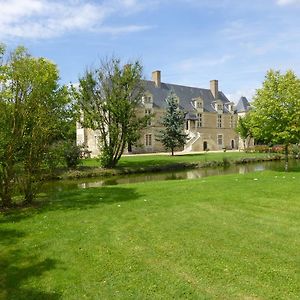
<point x="278" y="149"/>
<point x="261" y="149"/>
<point x="295" y="150"/>
<point x="55" y="156"/>
<point x="72" y="154"/>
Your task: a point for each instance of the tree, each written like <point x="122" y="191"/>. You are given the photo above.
<point x="276" y="113"/>
<point x="108" y="99"/>
<point x="33" y="112"/>
<point x="244" y="129"/>
<point x="172" y="135"/>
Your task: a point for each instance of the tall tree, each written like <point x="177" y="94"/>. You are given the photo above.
<point x="109" y="98"/>
<point x="33" y="108"/>
<point x="276" y="113"/>
<point x="172" y="136"/>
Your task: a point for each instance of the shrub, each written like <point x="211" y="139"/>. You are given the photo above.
<point x="278" y="149"/>
<point x="72" y="154"/>
<point x="261" y="148"/>
<point x="295" y="150"/>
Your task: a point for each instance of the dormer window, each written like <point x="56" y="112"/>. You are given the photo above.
<point x="147" y="99"/>
<point x="230" y="106"/>
<point x="218" y="105"/>
<point x="198" y="104"/>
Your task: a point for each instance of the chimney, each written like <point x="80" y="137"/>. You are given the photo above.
<point x="156" y="77"/>
<point x="214" y="88"/>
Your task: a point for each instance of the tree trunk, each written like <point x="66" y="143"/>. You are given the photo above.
<point x="6" y="188"/>
<point x="172" y="151"/>
<point x="286" y="152"/>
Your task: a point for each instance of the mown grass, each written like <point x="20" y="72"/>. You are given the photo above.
<point x="229" y="237"/>
<point x="146" y="161"/>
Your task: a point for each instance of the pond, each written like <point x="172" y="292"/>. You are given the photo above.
<point x="171" y="175"/>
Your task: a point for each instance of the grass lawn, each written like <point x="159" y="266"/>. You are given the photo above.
<point x="145" y="161"/>
<point x="227" y="237"/>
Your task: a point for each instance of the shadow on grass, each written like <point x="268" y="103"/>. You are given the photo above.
<point x="17" y="267"/>
<point x="90" y="197"/>
<point x="72" y="198"/>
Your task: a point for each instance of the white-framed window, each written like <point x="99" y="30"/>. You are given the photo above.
<point x="199" y="104"/>
<point x="148" y="139"/>
<point x="219" y="107"/>
<point x="199" y="120"/>
<point x="219" y="121"/>
<point x="220" y="139"/>
<point x="147" y="99"/>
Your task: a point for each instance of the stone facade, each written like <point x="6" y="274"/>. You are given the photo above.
<point x="210" y="119"/>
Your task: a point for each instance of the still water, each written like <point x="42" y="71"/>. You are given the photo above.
<point x="185" y="174"/>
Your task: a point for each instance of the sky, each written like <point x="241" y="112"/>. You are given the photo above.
<point x="190" y="41"/>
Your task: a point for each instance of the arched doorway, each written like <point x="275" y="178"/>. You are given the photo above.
<point x="204" y="145"/>
<point x="232" y="144"/>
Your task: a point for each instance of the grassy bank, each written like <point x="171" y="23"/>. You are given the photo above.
<point x="154" y="163"/>
<point x="229" y="237"/>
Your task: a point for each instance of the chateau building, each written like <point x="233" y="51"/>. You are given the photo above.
<point x="210" y="118"/>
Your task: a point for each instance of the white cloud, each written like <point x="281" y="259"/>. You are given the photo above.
<point x="123" y="29"/>
<point x="46" y="19"/>
<point x="236" y="95"/>
<point x="288" y="2"/>
<point x="197" y="63"/>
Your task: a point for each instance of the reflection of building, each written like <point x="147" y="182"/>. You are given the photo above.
<point x="210" y="118"/>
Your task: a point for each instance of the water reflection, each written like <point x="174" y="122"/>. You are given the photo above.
<point x="186" y="174"/>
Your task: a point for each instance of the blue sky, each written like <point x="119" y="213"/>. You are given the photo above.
<point x="190" y="41"/>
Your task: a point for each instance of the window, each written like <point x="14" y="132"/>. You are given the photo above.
<point x="199" y="104"/>
<point x="219" y="122"/>
<point x="220" y="139"/>
<point x="148" y="140"/>
<point x="220" y="107"/>
<point x="199" y="121"/>
<point x="147" y="99"/>
<point x="148" y="112"/>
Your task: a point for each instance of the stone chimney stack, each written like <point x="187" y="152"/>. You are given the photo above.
<point x="156" y="77"/>
<point x="214" y="88"/>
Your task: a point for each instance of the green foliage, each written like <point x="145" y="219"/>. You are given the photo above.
<point x="72" y="155"/>
<point x="108" y="99"/>
<point x="277" y="109"/>
<point x="34" y="109"/>
<point x="276" y="112"/>
<point x="295" y="150"/>
<point x="172" y="135"/>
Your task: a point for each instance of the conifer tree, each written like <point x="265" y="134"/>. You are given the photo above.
<point x="172" y="136"/>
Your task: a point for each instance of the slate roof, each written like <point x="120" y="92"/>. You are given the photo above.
<point x="243" y="105"/>
<point x="186" y="95"/>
